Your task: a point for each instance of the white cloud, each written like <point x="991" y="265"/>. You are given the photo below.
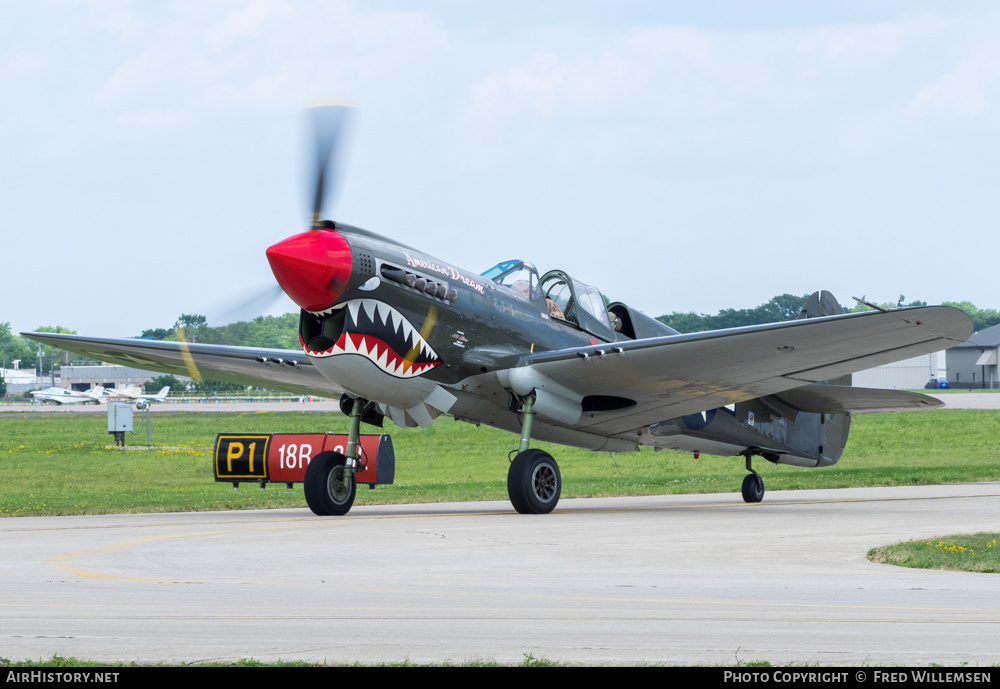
<point x="535" y="85"/>
<point x="139" y="72"/>
<point x="815" y="82"/>
<point x="249" y="20"/>
<point x="126" y="24"/>
<point x="969" y="90"/>
<point x="677" y="140"/>
<point x="152" y="120"/>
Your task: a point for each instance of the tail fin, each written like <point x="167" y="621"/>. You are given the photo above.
<point x="820" y="303"/>
<point x="823" y="303"/>
<point x="162" y="394"/>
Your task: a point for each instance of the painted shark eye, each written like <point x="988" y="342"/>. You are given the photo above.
<point x="370" y="284"/>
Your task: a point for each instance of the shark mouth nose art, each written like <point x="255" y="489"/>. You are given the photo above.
<point x="374" y="330"/>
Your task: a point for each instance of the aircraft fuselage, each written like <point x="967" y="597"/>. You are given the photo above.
<point x="421" y="337"/>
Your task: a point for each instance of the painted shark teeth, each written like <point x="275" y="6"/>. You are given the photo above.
<point x="381" y="334"/>
<point x="328" y="311"/>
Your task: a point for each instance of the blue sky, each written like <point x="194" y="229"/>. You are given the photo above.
<point x="680" y="156"/>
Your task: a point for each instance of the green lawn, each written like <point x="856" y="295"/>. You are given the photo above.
<point x="65" y="465"/>
<point x="963" y="552"/>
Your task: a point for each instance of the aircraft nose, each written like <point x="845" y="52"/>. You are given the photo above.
<point x="313" y="267"/>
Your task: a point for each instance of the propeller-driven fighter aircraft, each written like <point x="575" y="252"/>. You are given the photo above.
<point x="399" y="333"/>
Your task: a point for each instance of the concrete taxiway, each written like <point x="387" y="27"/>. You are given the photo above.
<point x="672" y="579"/>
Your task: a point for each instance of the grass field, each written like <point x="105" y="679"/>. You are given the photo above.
<point x="65" y="464"/>
<point x="962" y="552"/>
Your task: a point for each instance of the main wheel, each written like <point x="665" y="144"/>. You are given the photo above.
<point x="753" y="488"/>
<point x="534" y="482"/>
<point x="324" y="485"/>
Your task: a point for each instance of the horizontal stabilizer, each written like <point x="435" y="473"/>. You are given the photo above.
<point x="839" y="399"/>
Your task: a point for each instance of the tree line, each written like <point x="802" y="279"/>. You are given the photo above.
<point x="272" y="332"/>
<point x="787" y="306"/>
<point x="281" y="332"/>
<point x="275" y="332"/>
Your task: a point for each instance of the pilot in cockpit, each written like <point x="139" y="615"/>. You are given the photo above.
<point x="523" y="289"/>
<point x="520" y="276"/>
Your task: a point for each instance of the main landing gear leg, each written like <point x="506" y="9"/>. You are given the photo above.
<point x="533" y="481"/>
<point x="753" y="484"/>
<point x="329" y="482"/>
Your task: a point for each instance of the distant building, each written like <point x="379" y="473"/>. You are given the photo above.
<point x="22" y="379"/>
<point x="112" y="377"/>
<point x="973" y="364"/>
<point x="908" y="374"/>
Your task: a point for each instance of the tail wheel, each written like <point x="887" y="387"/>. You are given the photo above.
<point x="753" y="488"/>
<point x="325" y="488"/>
<point x="534" y="482"/>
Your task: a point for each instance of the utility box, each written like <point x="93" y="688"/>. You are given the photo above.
<point x="119" y="420"/>
<point x="119" y="417"/>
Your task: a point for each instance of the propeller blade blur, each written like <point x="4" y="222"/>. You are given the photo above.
<point x="247" y="308"/>
<point x="329" y="123"/>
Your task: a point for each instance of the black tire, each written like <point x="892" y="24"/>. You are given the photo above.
<point x="324" y="490"/>
<point x="534" y="482"/>
<point x="753" y="488"/>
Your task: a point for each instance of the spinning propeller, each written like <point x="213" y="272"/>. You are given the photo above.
<point x="313" y="267"/>
<point x="329" y="122"/>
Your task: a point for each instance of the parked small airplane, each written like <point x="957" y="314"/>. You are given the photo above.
<point x="64" y="396"/>
<point x="402" y="334"/>
<point x="135" y="393"/>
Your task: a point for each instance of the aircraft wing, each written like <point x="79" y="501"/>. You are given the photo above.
<point x="246" y="365"/>
<point x="668" y="377"/>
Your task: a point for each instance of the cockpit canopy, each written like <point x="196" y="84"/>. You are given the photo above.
<point x="520" y="276"/>
<point x="576" y="299"/>
<point x="573" y="301"/>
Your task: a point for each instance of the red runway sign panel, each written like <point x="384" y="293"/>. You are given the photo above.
<point x="283" y="457"/>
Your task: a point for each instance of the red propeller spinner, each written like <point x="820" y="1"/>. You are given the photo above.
<point x="312" y="267"/>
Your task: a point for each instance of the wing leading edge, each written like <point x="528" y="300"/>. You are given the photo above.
<point x="668" y="377"/>
<point x="276" y="368"/>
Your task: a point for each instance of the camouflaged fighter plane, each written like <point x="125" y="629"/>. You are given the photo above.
<point x="398" y="333"/>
